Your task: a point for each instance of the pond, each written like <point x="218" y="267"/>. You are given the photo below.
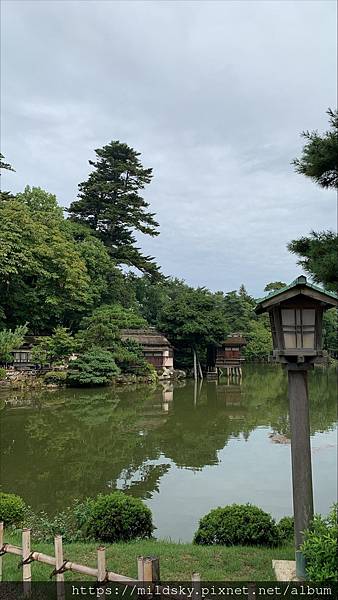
<point x="184" y="449"/>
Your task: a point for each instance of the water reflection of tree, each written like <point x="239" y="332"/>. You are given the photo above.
<point x="75" y="443"/>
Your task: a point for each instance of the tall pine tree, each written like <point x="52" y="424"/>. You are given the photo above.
<point x="110" y="202"/>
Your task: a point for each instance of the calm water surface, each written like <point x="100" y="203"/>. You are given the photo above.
<point x="182" y="449"/>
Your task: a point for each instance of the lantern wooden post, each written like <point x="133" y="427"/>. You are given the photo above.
<point x="300" y="450"/>
<point x="1" y="544"/>
<point x="296" y="314"/>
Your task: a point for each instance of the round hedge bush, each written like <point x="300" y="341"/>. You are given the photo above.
<point x="117" y="517"/>
<point x="12" y="509"/>
<point x="237" y="524"/>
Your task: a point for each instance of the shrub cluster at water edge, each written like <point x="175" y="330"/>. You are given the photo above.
<point x="96" y="367"/>
<point x="116" y="517"/>
<point x="2" y="373"/>
<point x="12" y="509"/>
<point x="237" y="524"/>
<point x="320" y="547"/>
<point x="56" y="377"/>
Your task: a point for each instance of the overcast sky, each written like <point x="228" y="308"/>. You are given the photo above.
<point x="214" y="96"/>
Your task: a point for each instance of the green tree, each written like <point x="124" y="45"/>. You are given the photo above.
<point x="319" y="159"/>
<point x="96" y="367"/>
<point x="128" y="355"/>
<point x="107" y="282"/>
<point x="10" y="340"/>
<point x="330" y="329"/>
<point x="274" y="286"/>
<point x="40" y="203"/>
<point x="55" y="347"/>
<point x="110" y="202"/>
<point x="194" y="318"/>
<point x="319" y="256"/>
<point x="6" y="167"/>
<point x="43" y="279"/>
<point x="259" y="340"/>
<point x="318" y="253"/>
<point x="102" y="327"/>
<point x="238" y="310"/>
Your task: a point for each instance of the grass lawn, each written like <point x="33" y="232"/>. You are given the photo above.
<point x="177" y="561"/>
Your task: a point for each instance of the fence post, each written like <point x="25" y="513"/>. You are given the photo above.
<point x="1" y="544"/>
<point x="196" y="581"/>
<point x="60" y="589"/>
<point x="26" y="568"/>
<point x="140" y="568"/>
<point x="101" y="564"/>
<point x="151" y="569"/>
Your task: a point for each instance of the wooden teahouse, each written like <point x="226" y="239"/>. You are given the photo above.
<point x="226" y="356"/>
<point x="157" y="350"/>
<point x="22" y="356"/>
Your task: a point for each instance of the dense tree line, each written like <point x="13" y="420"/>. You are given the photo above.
<point x="65" y="278"/>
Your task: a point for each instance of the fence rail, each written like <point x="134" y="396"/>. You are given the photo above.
<point x="148" y="568"/>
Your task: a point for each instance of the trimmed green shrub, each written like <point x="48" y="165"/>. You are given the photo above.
<point x="58" y="377"/>
<point x="286" y="529"/>
<point x="237" y="524"/>
<point x="129" y="357"/>
<point x="320" y="547"/>
<point x="12" y="509"/>
<point x="2" y="373"/>
<point x="96" y="367"/>
<point x="117" y="517"/>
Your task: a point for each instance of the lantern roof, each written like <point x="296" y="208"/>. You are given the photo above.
<point x="296" y="287"/>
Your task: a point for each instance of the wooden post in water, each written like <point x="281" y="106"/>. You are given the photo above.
<point x="195" y="364"/>
<point x="26" y="568"/>
<point x="1" y="544"/>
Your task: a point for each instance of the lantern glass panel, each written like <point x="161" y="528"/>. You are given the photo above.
<point x="299" y="327"/>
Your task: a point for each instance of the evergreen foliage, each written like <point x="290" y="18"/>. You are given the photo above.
<point x="111" y="204"/>
<point x="319" y="159"/>
<point x="102" y="327"/>
<point x="96" y="367"/>
<point x="55" y="347"/>
<point x="9" y="341"/>
<point x="318" y="253"/>
<point x="319" y="257"/>
<point x="274" y="286"/>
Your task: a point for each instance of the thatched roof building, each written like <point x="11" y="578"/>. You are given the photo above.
<point x="156" y="348"/>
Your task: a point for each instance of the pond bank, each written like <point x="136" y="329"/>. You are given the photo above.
<point x="39" y="379"/>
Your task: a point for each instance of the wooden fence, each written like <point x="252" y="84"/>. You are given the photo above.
<point x="148" y="568"/>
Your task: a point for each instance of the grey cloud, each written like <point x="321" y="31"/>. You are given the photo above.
<point x="214" y="95"/>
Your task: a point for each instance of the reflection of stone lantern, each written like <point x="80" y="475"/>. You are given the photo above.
<point x="296" y="314"/>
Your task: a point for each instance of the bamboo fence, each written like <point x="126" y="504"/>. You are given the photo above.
<point x="148" y="568"/>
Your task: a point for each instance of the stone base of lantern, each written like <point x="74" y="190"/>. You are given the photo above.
<point x="285" y="570"/>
